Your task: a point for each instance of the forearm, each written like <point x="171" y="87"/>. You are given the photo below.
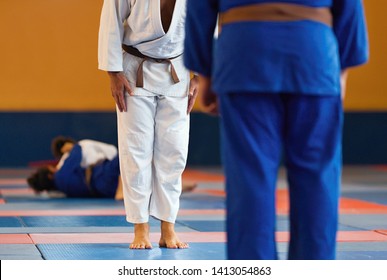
<point x="111" y="32"/>
<point x="200" y="26"/>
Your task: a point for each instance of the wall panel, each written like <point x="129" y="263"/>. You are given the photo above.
<point x="49" y="58"/>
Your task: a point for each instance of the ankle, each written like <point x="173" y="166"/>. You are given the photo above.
<point x="167" y="226"/>
<point x="141" y="228"/>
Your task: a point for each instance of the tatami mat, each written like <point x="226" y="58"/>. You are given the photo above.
<point x="56" y="228"/>
<point x="197" y="251"/>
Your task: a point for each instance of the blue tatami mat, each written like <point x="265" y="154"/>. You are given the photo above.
<point x="19" y="252"/>
<point x="13" y="187"/>
<point x="62" y="203"/>
<point x="366" y="222"/>
<point x="353" y="255"/>
<point x="197" y="251"/>
<point x="74" y="221"/>
<point x="379" y="197"/>
<point x="204" y="226"/>
<point x="10" y="222"/>
<point x="84" y="222"/>
<point x="202" y="202"/>
<point x="79" y="221"/>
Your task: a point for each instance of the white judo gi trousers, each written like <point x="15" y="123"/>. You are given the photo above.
<point x="153" y="145"/>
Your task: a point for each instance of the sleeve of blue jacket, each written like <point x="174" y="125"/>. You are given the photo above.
<point x="350" y="29"/>
<point x="70" y="177"/>
<point x="200" y="26"/>
<point x="73" y="161"/>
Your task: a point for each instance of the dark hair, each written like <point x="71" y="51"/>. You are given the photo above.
<point x="42" y="180"/>
<point x="57" y="144"/>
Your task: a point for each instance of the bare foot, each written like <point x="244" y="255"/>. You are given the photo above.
<point x="141" y="237"/>
<point x="169" y="238"/>
<point x="188" y="186"/>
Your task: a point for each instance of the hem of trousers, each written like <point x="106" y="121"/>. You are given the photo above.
<point x="137" y="220"/>
<point x="162" y="219"/>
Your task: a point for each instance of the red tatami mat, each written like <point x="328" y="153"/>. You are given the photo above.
<point x="343" y="236"/>
<point x="212" y="192"/>
<point x="122" y="237"/>
<point x="356" y="206"/>
<point x="99" y="212"/>
<point x="49" y="212"/>
<point x="347" y="205"/>
<point x="361" y="236"/>
<point x="199" y="176"/>
<point x="13" y="182"/>
<point x="15" y="239"/>
<point x="188" y="212"/>
<point x="381" y="167"/>
<point x="17" y="191"/>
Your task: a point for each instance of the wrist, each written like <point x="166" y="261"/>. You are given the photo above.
<point x="114" y="73"/>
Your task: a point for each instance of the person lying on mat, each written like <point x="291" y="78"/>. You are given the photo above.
<point x="91" y="170"/>
<point x="61" y="145"/>
<point x="87" y="168"/>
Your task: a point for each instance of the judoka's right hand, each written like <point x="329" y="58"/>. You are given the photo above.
<point x="118" y="86"/>
<point x="207" y="98"/>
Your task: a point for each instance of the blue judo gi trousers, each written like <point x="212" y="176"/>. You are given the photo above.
<point x="259" y="131"/>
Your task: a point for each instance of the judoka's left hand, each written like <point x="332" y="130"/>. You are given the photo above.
<point x="193" y="93"/>
<point x="208" y="99"/>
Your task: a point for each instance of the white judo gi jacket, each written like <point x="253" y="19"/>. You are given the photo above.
<point x="93" y="152"/>
<point x="143" y="30"/>
<point x="153" y="133"/>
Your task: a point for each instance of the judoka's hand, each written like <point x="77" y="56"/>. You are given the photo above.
<point x="193" y="93"/>
<point x="207" y="98"/>
<point x="118" y="85"/>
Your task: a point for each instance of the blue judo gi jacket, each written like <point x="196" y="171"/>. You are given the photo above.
<point x="300" y="57"/>
<point x="71" y="180"/>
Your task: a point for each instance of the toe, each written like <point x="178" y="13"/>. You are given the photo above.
<point x="183" y="245"/>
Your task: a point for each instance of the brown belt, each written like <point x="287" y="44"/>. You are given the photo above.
<point x="276" y="12"/>
<point x="140" y="71"/>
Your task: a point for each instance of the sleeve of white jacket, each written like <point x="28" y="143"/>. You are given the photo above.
<point x="95" y="151"/>
<point x="111" y="32"/>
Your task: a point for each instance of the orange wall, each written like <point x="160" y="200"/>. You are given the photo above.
<point x="367" y="85"/>
<point x="48" y="58"/>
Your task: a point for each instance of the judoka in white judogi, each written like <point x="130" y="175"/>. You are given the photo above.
<point x="153" y="124"/>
